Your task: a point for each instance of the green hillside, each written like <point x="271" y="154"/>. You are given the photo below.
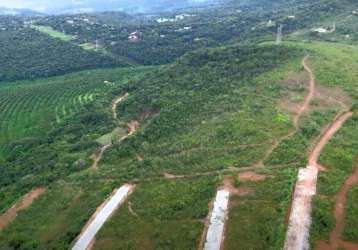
<point x="222" y="106"/>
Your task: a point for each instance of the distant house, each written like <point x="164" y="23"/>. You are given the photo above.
<point x="320" y="30"/>
<point x="134" y="36"/>
<point x="325" y="29"/>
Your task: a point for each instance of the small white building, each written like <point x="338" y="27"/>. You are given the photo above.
<point x="320" y="30"/>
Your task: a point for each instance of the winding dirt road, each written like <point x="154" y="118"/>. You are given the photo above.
<point x="115" y="104"/>
<point x="309" y="96"/>
<point x="23" y="204"/>
<point x="132" y="127"/>
<point x="300" y="217"/>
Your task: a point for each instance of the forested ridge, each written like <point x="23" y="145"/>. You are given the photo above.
<point x="163" y="42"/>
<point x="29" y="54"/>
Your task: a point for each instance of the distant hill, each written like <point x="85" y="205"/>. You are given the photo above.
<point x="87" y="6"/>
<point x="130" y="6"/>
<point x="19" y="12"/>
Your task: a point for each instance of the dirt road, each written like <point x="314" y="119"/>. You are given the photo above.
<point x="115" y="104"/>
<point x="313" y="159"/>
<point x="300" y="217"/>
<point x="296" y="119"/>
<point x="132" y="127"/>
<point x="309" y="96"/>
<point x="24" y="203"/>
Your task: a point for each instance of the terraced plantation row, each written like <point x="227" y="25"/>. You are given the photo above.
<point x="29" y="108"/>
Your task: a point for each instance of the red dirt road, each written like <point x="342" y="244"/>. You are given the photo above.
<point x="24" y="203"/>
<point x="309" y="96"/>
<point x="313" y="159"/>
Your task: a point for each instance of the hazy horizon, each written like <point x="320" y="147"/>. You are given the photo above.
<point x="62" y="6"/>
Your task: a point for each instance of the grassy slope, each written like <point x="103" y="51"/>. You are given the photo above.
<point x="239" y="102"/>
<point x="222" y="132"/>
<point x="335" y="67"/>
<point x="217" y="109"/>
<point x="351" y="233"/>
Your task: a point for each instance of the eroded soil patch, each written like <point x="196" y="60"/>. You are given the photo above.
<point x="251" y="176"/>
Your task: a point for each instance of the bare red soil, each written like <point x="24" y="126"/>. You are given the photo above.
<point x="251" y="176"/>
